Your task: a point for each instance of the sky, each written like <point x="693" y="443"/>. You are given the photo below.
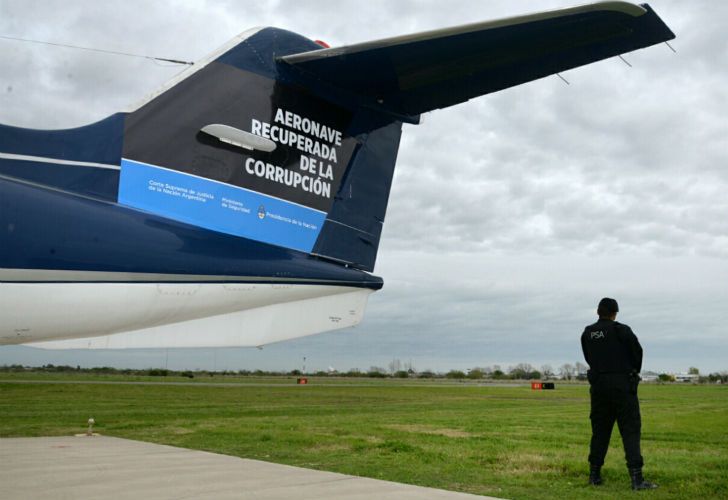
<point x="510" y="215"/>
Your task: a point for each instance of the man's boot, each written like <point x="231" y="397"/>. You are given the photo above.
<point x="595" y="475"/>
<point x="638" y="481"/>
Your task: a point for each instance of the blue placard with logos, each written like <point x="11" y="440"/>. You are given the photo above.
<point x="219" y="206"/>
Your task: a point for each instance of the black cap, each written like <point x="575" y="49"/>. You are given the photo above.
<point x="607" y="307"/>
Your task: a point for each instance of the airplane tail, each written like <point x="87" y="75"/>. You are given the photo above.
<point x="279" y="140"/>
<point x="240" y="146"/>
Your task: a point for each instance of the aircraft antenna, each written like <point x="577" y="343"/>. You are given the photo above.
<point x="625" y="61"/>
<point x="563" y="79"/>
<point x="92" y="49"/>
<point x="671" y="47"/>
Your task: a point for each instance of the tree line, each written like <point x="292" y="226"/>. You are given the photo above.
<point x="395" y="369"/>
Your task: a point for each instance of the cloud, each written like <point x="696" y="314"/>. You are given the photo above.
<point x="510" y="215"/>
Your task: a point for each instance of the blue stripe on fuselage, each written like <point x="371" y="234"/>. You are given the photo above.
<point x="43" y="228"/>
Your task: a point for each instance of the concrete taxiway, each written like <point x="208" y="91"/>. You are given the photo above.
<point x="106" y="467"/>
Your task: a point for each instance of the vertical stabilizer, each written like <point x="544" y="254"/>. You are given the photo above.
<point x="243" y="147"/>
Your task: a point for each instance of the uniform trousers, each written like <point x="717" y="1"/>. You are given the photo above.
<point x="614" y="398"/>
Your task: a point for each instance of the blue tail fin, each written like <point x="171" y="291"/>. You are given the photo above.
<point x="242" y="146"/>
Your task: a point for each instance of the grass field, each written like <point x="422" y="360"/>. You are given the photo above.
<point x="508" y="442"/>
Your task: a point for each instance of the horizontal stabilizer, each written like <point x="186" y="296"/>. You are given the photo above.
<point x="413" y="74"/>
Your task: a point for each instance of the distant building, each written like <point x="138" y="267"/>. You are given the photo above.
<point x="686" y="377"/>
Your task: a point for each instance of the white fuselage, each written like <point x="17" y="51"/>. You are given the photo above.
<point x="169" y="314"/>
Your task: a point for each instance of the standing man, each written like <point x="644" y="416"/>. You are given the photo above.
<point x="614" y="356"/>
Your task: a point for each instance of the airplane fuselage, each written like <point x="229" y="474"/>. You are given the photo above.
<point x="73" y="265"/>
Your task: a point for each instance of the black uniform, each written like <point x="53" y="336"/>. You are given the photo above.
<point x="614" y="356"/>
